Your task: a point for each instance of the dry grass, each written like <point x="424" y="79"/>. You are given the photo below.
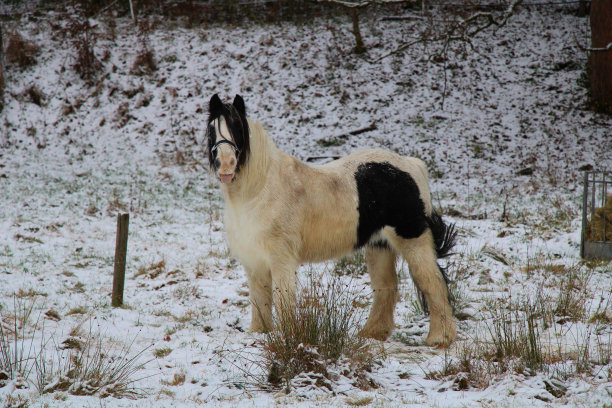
<point x="516" y="333"/>
<point x="153" y="270"/>
<point x="573" y="293"/>
<point x="77" y="310"/>
<point x="314" y="336"/>
<point x="517" y="340"/>
<point x="20" y="51"/>
<point x="495" y="254"/>
<point x="91" y="368"/>
<point x="162" y="352"/>
<point x="79" y="365"/>
<point x="351" y="265"/>
<point x="544" y="265"/>
<point x="359" y="402"/>
<point x="602" y="217"/>
<point x="17" y="356"/>
<point x="457" y="271"/>
<point x="473" y="368"/>
<point x="177" y="379"/>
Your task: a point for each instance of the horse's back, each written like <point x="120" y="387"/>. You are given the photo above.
<point x="414" y="167"/>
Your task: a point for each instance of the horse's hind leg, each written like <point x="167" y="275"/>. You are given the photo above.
<point x="421" y="257"/>
<point x="381" y="267"/>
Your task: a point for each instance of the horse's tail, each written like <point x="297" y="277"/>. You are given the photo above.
<point x="444" y="235"/>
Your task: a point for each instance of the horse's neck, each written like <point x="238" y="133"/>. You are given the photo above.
<point x="263" y="154"/>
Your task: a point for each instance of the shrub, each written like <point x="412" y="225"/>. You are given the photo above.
<point x="20" y="51"/>
<point x="84" y="40"/>
<point x="319" y="332"/>
<point x="145" y="60"/>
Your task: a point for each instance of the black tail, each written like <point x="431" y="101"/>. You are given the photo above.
<point x="445" y="238"/>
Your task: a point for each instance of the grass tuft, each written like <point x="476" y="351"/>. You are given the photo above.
<point x="351" y="265"/>
<point x="314" y="336"/>
<point x="92" y="369"/>
<point x="80" y="365"/>
<point x="516" y="334"/>
<point x="17" y="353"/>
<point x="162" y="352"/>
<point x="20" y="51"/>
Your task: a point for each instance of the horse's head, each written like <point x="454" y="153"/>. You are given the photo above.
<point x="228" y="137"/>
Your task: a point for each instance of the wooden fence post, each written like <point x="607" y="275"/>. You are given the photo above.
<point x="123" y="221"/>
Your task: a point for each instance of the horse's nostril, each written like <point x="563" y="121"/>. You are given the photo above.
<point x="217" y="163"/>
<point x="232" y="162"/>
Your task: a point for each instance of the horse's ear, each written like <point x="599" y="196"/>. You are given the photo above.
<point x="215" y="105"/>
<point x="239" y="105"/>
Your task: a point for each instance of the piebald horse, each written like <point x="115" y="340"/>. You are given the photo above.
<point x="280" y="213"/>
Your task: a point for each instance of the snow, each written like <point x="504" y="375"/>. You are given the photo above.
<point x="135" y="143"/>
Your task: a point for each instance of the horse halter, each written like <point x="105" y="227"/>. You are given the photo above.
<point x="229" y="142"/>
<point x="224" y="140"/>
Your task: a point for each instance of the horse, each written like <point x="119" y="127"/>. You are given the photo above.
<point x="281" y="213"/>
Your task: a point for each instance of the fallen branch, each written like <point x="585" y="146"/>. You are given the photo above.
<point x="315" y="158"/>
<point x="343" y="136"/>
<point x="355" y="132"/>
<point x="412" y="17"/>
<point x="360" y="131"/>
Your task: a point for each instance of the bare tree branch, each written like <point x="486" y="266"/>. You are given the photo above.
<point x="366" y="3"/>
<point x="592" y="49"/>
<point x="596" y="49"/>
<point x="348" y="4"/>
<point x="462" y="30"/>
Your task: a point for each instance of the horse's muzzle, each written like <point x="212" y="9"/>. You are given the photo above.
<point x="226" y="178"/>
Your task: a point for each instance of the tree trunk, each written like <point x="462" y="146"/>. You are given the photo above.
<point x="1" y="71"/>
<point x="359" y="46"/>
<point x="583" y="8"/>
<point x="600" y="62"/>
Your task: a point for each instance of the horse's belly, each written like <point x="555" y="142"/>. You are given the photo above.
<point x="328" y="239"/>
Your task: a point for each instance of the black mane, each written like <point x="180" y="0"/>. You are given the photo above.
<point x="235" y="118"/>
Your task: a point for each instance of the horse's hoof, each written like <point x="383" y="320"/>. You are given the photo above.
<point x="258" y="328"/>
<point x="377" y="334"/>
<point x="439" y="341"/>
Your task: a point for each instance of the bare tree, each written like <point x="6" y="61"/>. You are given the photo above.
<point x="357" y="6"/>
<point x="447" y="31"/>
<point x="436" y="30"/>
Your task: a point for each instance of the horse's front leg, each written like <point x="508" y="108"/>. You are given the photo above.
<point x="260" y="294"/>
<point x="284" y="288"/>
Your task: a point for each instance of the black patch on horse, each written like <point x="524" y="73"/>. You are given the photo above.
<point x="235" y="118"/>
<point x="388" y="197"/>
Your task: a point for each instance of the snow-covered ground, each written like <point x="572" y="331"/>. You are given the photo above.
<point x="129" y="142"/>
